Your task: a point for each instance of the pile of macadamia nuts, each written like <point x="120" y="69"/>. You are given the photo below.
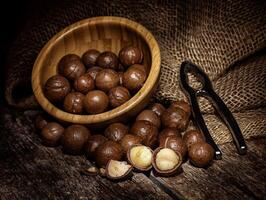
<point x="156" y="140"/>
<point x="96" y="82"/>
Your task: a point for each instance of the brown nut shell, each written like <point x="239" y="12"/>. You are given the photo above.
<point x="93" y="71"/>
<point x="130" y="55"/>
<point x="95" y="102"/>
<point x="120" y="75"/>
<point x="175" y="118"/>
<point x="118" y="96"/>
<point x="140" y="157"/>
<point x="116" y="131"/>
<point x="141" y="67"/>
<point x="106" y="79"/>
<point x="71" y="68"/>
<point x="65" y="60"/>
<point x="192" y="137"/>
<point x="166" y="161"/>
<point x="51" y="133"/>
<point x="92" y="144"/>
<point x="157" y="108"/>
<point x="56" y="88"/>
<point x="74" y="139"/>
<point x="89" y="57"/>
<point x="118" y="170"/>
<point x="134" y="78"/>
<point x="128" y="141"/>
<point x="40" y="122"/>
<point x="169" y="132"/>
<point x="84" y="83"/>
<point x="107" y="59"/>
<point x="147" y="131"/>
<point x="149" y="115"/>
<point x="201" y="154"/>
<point x="175" y="143"/>
<point x="182" y="105"/>
<point x="91" y="171"/>
<point x="73" y="102"/>
<point x="109" y="150"/>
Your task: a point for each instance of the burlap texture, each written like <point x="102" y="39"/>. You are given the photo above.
<point x="226" y="38"/>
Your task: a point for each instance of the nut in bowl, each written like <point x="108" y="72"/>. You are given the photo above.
<point x="112" y="34"/>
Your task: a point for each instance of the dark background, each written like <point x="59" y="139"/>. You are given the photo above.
<point x="13" y="18"/>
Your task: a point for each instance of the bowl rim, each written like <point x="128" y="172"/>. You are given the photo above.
<point x="115" y="112"/>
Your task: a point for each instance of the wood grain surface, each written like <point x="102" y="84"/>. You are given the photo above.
<point x="233" y="177"/>
<point x="103" y="34"/>
<point x="30" y="170"/>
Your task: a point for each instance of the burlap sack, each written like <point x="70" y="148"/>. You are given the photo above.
<point x="226" y="38"/>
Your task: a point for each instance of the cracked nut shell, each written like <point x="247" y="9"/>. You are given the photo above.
<point x="140" y="157"/>
<point x="166" y="161"/>
<point x="118" y="170"/>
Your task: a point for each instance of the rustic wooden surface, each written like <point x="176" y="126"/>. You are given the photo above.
<point x="31" y="171"/>
<point x="233" y="177"/>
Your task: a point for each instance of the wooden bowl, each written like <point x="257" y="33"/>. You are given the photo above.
<point x="102" y="33"/>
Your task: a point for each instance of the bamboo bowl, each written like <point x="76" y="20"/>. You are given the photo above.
<point x="102" y="33"/>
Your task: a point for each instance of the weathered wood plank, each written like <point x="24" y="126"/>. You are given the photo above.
<point x="239" y="177"/>
<point x="31" y="171"/>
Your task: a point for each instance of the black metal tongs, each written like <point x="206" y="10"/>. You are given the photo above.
<point x="208" y="92"/>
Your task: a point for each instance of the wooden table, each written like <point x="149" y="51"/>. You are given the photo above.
<point x="28" y="170"/>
